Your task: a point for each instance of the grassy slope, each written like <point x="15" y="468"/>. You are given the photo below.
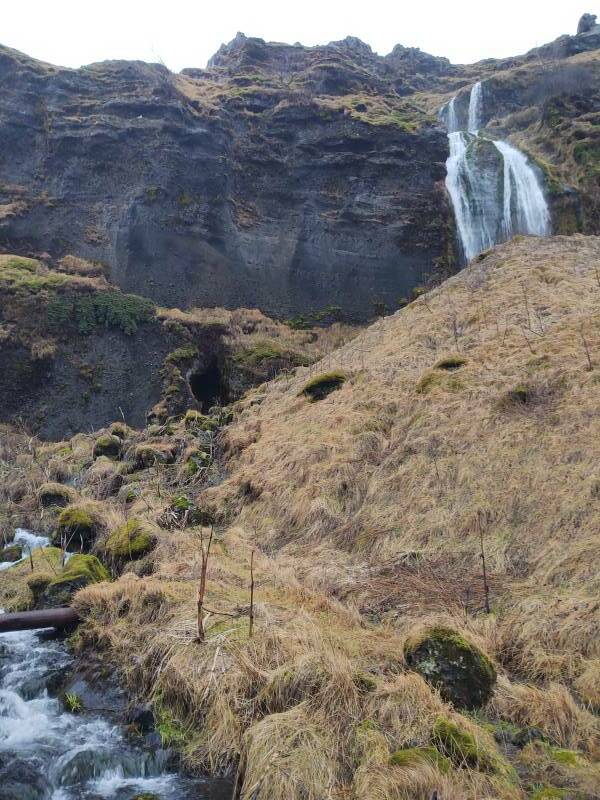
<point x="363" y="509"/>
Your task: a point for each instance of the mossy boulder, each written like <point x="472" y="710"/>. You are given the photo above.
<point x="463" y="674"/>
<point x="120" y="430"/>
<point x="55" y="495"/>
<point x="463" y="749"/>
<point x="129" y="541"/>
<point x="416" y="756"/>
<point x="195" y="421"/>
<point x="108" y="445"/>
<point x="38" y="583"/>
<point x="77" y="529"/>
<point x="323" y="385"/>
<point x="149" y="455"/>
<point x="12" y="553"/>
<point x="81" y="570"/>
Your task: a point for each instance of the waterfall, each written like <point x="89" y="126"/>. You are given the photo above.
<point x="475" y="108"/>
<point x="495" y="191"/>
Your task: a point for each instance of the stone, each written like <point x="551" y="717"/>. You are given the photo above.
<point x="141" y="717"/>
<point x="80" y="571"/>
<point x="463" y="674"/>
<point x="13" y="552"/>
<point x="587" y="24"/>
<point x="108" y="445"/>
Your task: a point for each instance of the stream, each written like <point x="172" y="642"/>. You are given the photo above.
<point x="49" y="753"/>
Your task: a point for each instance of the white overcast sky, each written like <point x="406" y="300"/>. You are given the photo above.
<point x="186" y="34"/>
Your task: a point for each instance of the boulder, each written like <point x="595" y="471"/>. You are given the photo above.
<point x="587" y="24"/>
<point x="55" y="494"/>
<point x="129" y="541"/>
<point x="14" y="552"/>
<point x="81" y="570"/>
<point x="77" y="529"/>
<point x="108" y="445"/>
<point x="463" y="674"/>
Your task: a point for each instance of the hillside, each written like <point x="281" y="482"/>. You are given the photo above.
<point x="77" y="353"/>
<point x="281" y="177"/>
<point x="465" y="423"/>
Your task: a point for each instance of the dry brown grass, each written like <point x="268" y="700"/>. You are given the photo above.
<point x="365" y="517"/>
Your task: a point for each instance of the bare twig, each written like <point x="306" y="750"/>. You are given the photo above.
<point x="251" y="619"/>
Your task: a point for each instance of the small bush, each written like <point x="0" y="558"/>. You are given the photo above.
<point x="323" y="385"/>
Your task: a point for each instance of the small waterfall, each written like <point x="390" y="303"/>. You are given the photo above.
<point x="495" y="192"/>
<point x="475" y="108"/>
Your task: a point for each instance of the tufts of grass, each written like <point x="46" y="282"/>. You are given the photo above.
<point x="323" y="385"/>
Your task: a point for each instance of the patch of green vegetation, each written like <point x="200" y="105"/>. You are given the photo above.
<point x="77" y="528"/>
<point x="268" y="350"/>
<point x="111" y="309"/>
<point x="326" y="315"/>
<point x="570" y="758"/>
<point x="587" y="154"/>
<point x="183" y="354"/>
<point x="196" y="421"/>
<point x="463" y="749"/>
<point x="80" y="571"/>
<point x="549" y="793"/>
<point x="73" y="703"/>
<point x="107" y="445"/>
<point x="129" y="541"/>
<point x="414" y="756"/>
<point x="323" y="385"/>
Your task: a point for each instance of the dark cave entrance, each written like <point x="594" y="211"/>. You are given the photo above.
<point x="208" y="386"/>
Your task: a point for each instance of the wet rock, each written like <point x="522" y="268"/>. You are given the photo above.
<point x="21" y="780"/>
<point x="13" y="552"/>
<point x="463" y="674"/>
<point x="142" y="717"/>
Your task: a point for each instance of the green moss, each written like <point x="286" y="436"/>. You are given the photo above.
<point x="77" y="528"/>
<point x="463" y="749"/>
<point x="111" y="309"/>
<point x="450" y="363"/>
<point x="195" y="421"/>
<point x="80" y="571"/>
<point x="323" y="385"/>
<point x="549" y="793"/>
<point x="183" y="354"/>
<point x="108" y="445"/>
<point x="196" y="461"/>
<point x="268" y="350"/>
<point x="129" y="541"/>
<point x="38" y="582"/>
<point x="463" y="674"/>
<point x="570" y="758"/>
<point x="414" y="756"/>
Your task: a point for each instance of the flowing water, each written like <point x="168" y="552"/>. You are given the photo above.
<point x="48" y="753"/>
<point x="495" y="191"/>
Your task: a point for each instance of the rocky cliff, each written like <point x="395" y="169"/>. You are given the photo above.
<point x="281" y="177"/>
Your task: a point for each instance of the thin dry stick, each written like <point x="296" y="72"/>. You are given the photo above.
<point x="529" y="345"/>
<point x="586" y="348"/>
<point x="486" y="588"/>
<point x="205" y="554"/>
<point x="526" y="299"/>
<point x="251" y="620"/>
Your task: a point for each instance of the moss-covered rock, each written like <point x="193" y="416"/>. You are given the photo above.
<point x="77" y="529"/>
<point x="108" y="445"/>
<point x="120" y="430"/>
<point x="323" y="385"/>
<point x="414" y="756"/>
<point x="463" y="674"/>
<point x="148" y="455"/>
<point x="129" y="541"/>
<point x="81" y="570"/>
<point x="463" y="749"/>
<point x="12" y="553"/>
<point x="195" y="421"/>
<point x="38" y="583"/>
<point x="55" y="495"/>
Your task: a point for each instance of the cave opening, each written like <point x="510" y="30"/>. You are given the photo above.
<point x="208" y="386"/>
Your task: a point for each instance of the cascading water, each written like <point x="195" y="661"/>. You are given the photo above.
<point x="495" y="191"/>
<point x="48" y="753"/>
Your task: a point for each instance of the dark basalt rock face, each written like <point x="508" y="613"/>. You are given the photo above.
<point x="256" y="182"/>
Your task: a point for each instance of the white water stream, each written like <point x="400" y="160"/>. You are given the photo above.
<point x="495" y="191"/>
<point x="48" y="753"/>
